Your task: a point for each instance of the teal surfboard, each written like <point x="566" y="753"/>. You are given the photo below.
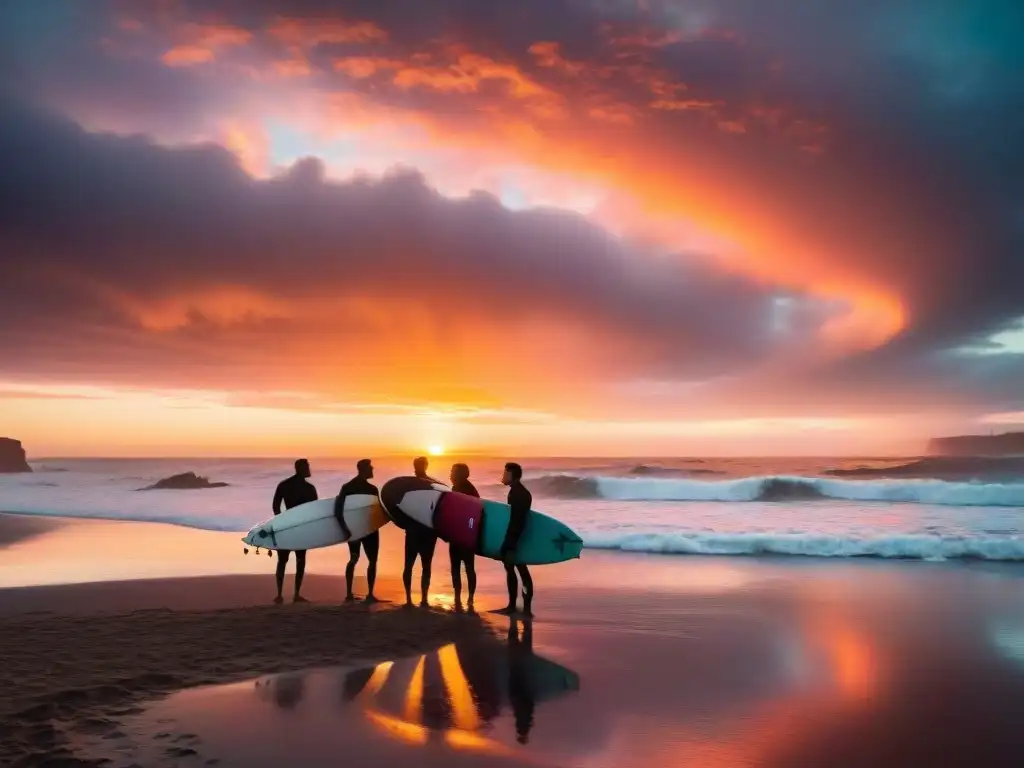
<point x="544" y="540"/>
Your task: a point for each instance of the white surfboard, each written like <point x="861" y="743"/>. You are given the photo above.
<point x="419" y="505"/>
<point x="313" y="525"/>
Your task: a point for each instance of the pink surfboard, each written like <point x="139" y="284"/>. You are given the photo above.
<point x="457" y="519"/>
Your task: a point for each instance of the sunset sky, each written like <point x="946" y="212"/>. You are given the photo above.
<point x="546" y="227"/>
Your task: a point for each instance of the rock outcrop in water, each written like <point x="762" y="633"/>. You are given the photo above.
<point x="186" y="481"/>
<point x="1006" y="444"/>
<point x="12" y="456"/>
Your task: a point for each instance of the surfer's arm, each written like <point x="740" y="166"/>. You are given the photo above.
<point x="519" y="508"/>
<point x="339" y="510"/>
<point x="278" y="498"/>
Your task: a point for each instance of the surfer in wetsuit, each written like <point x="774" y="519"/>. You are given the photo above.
<point x="420" y="541"/>
<point x="293" y="491"/>
<point x="459" y="555"/>
<point x="520" y="500"/>
<point x="359" y="485"/>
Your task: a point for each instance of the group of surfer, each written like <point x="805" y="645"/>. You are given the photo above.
<point x="420" y="541"/>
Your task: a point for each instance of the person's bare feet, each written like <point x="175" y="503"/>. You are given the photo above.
<point x="350" y="598"/>
<point x="278" y="600"/>
<point x="370" y="599"/>
<point x="299" y="599"/>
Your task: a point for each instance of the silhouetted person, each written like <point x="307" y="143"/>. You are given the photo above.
<point x="520" y="691"/>
<point x="419" y="468"/>
<point x="293" y="491"/>
<point x="520" y="500"/>
<point x="420" y="541"/>
<point x="459" y="555"/>
<point x="359" y="485"/>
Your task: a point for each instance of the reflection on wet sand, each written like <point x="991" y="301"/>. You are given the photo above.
<point x="797" y="674"/>
<point x="457" y="691"/>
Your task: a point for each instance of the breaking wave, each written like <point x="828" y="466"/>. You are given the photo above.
<point x="781" y="488"/>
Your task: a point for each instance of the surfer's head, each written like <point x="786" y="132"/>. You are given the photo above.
<point x="302" y="468"/>
<point x="513" y="473"/>
<point x="460" y="472"/>
<point x="365" y="468"/>
<point x="419" y="466"/>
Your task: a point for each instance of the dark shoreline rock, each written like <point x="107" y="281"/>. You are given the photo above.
<point x="12" y="456"/>
<point x="185" y="481"/>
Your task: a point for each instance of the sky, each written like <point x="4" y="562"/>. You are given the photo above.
<point x="548" y="227"/>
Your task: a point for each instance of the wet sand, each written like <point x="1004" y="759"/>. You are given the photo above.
<point x="15" y="528"/>
<point x="633" y="660"/>
<point x="77" y="657"/>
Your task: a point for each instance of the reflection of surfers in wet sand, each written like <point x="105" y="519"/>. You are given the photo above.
<point x="520" y="690"/>
<point x="286" y="691"/>
<point x="458" y="689"/>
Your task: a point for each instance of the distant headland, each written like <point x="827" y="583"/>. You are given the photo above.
<point x="1006" y="444"/>
<point x="12" y="456"/>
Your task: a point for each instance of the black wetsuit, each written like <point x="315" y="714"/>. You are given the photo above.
<point x="420" y="541"/>
<point x="370" y="544"/>
<point x="459" y="555"/>
<point x="520" y="500"/>
<point x="293" y="491"/>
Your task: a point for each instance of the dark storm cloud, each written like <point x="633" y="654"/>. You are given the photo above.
<point x="923" y="177"/>
<point x="93" y="220"/>
<point x="920" y="185"/>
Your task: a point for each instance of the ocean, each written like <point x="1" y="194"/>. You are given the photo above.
<point x="914" y="508"/>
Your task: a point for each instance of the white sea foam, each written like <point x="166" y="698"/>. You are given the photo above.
<point x="809" y="516"/>
<point x="783" y="488"/>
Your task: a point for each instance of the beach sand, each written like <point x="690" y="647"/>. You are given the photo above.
<point x="78" y="656"/>
<point x="633" y="660"/>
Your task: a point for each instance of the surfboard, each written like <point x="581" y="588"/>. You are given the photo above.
<point x="313" y="525"/>
<point x="544" y="540"/>
<point x="412" y="499"/>
<point x="477" y="524"/>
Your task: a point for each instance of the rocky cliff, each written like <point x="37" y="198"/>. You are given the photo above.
<point x="12" y="456"/>
<point x="1006" y="444"/>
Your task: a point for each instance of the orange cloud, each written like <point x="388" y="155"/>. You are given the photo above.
<point x="187" y="55"/>
<point x="548" y="54"/>
<point x="362" y="67"/>
<point x="309" y="33"/>
<point x="296" y="66"/>
<point x="200" y="42"/>
<point x="465" y="73"/>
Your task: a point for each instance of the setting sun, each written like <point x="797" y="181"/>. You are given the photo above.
<point x="436" y="450"/>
